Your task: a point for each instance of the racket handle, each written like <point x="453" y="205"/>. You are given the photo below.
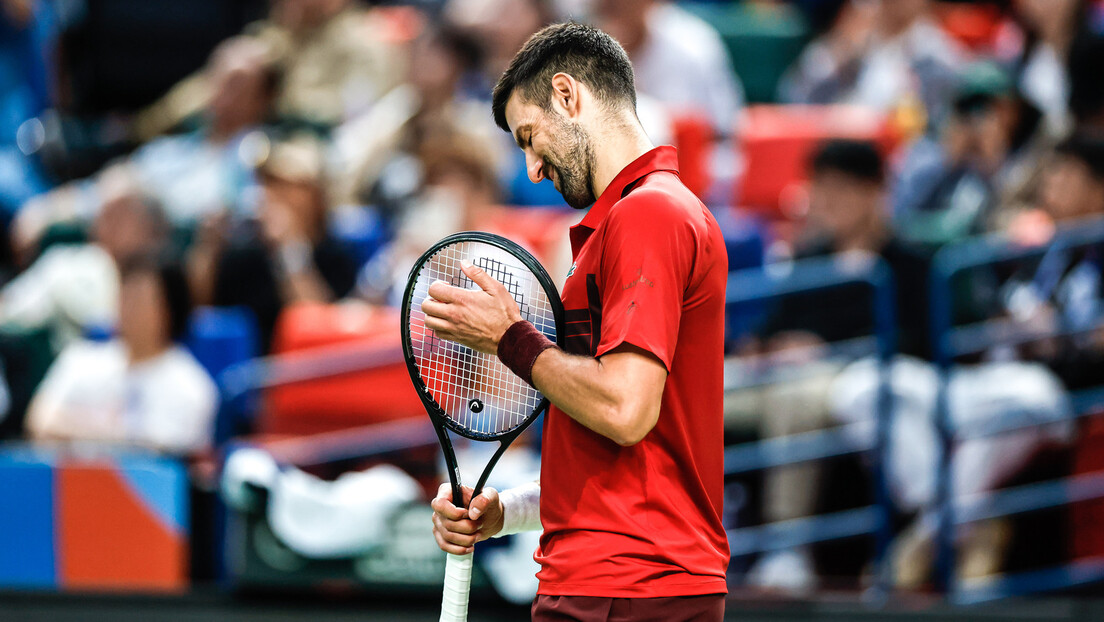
<point x="454" y="604"/>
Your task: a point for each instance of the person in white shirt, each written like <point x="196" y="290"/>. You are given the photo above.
<point x="72" y="289"/>
<point x="681" y="62"/>
<point x="138" y="389"/>
<point x="678" y="58"/>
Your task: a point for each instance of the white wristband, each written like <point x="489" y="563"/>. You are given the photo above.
<point x="520" y="509"/>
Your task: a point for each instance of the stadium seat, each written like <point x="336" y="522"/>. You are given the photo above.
<point x="693" y="138"/>
<point x="313" y="338"/>
<point x="220" y="337"/>
<point x="360" y="230"/>
<point x="777" y="141"/>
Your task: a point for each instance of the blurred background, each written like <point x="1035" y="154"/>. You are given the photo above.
<point x="209" y="208"/>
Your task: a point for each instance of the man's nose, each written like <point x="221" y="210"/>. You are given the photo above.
<point x="536" y="169"/>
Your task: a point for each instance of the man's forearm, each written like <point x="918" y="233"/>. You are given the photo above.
<point x="599" y="393"/>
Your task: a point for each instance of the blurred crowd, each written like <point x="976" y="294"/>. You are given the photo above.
<point x="325" y="144"/>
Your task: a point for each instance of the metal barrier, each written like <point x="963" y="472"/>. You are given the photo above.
<point x="950" y="342"/>
<point x="805" y="276"/>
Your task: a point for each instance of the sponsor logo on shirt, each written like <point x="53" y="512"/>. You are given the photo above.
<point x="639" y="280"/>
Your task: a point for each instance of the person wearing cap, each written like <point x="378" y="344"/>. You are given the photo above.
<point x="289" y="256"/>
<point x="984" y="162"/>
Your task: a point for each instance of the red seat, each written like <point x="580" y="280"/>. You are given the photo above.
<point x="330" y="340"/>
<point x="322" y="351"/>
<point x="777" y="142"/>
<point x="693" y="137"/>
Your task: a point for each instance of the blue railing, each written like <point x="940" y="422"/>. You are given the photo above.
<point x="805" y="276"/>
<point x="951" y="341"/>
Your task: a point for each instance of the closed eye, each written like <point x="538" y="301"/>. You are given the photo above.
<point x="523" y="142"/>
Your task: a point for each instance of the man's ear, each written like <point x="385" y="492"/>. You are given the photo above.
<point x="565" y="95"/>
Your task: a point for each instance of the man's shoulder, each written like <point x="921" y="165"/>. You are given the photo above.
<point x="661" y="196"/>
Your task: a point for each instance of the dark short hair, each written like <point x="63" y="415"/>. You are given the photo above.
<point x="1087" y="147"/>
<point x="855" y="158"/>
<point x="174" y="288"/>
<point x="583" y="52"/>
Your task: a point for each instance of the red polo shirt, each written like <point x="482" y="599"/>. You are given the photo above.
<point x="642" y="521"/>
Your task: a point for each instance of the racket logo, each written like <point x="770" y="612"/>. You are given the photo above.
<point x="475" y="405"/>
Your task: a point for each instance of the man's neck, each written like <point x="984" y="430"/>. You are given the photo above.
<point x="616" y="148"/>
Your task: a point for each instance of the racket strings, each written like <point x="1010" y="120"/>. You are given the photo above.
<point x="475" y="390"/>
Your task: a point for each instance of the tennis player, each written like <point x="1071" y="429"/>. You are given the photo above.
<point x="632" y="471"/>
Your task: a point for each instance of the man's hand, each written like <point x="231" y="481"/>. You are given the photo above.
<point x="457" y="529"/>
<point x="476" y="319"/>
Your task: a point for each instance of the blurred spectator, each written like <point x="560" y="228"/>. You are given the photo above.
<point x="377" y="152"/>
<point x="139" y="388"/>
<point x="677" y="57"/>
<point x="985" y="164"/>
<point x="680" y="62"/>
<point x="887" y="54"/>
<point x="1073" y="185"/>
<point x="847" y="194"/>
<point x="191" y="175"/>
<point x="460" y="189"/>
<point x="288" y="255"/>
<point x="209" y="170"/>
<point x="1064" y="290"/>
<point x="1060" y="294"/>
<point x="500" y="27"/>
<point x="72" y="289"/>
<point x="1049" y="28"/>
<point x="335" y="61"/>
<point x="847" y="213"/>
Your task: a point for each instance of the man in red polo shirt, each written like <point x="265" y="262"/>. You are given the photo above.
<point x="632" y="467"/>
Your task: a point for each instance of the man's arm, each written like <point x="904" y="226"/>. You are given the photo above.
<point x="617" y="395"/>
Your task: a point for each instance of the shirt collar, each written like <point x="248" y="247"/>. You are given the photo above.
<point x="663" y="158"/>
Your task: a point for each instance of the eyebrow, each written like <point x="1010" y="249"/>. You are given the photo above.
<point x="517" y="134"/>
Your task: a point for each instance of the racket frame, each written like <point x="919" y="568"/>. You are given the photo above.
<point x="436" y="413"/>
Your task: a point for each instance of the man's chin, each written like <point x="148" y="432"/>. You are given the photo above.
<point x="578" y="202"/>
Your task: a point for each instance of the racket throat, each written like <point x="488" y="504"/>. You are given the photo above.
<point x="451" y="466"/>
<point x="502" y="445"/>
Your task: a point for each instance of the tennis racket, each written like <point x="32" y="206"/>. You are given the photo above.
<point x="468" y="392"/>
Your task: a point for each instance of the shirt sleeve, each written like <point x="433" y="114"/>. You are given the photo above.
<point x="647" y="261"/>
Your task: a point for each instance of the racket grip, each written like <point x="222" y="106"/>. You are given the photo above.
<point x="454" y="604"/>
